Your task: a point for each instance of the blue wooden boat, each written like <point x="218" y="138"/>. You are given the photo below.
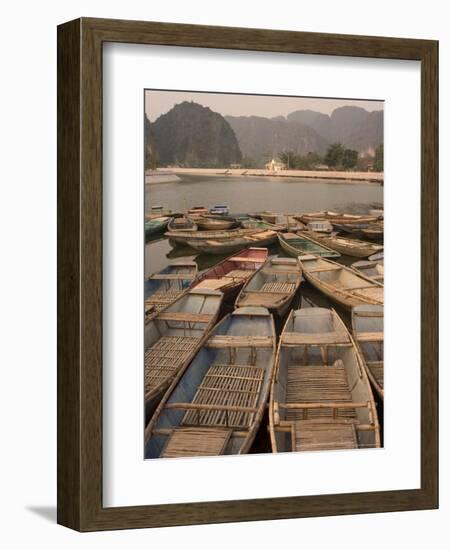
<point x="163" y="288"/>
<point x="216" y="405"/>
<point x="320" y="397"/>
<point x="298" y="245"/>
<point x="173" y="337"/>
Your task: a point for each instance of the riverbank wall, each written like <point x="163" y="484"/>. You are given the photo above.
<point x="356" y="177"/>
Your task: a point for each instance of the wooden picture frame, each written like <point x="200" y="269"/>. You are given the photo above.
<point x="80" y="504"/>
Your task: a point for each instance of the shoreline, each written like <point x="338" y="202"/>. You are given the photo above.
<point x="353" y="177"/>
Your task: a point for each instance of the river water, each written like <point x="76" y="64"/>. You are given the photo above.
<point x="250" y="194"/>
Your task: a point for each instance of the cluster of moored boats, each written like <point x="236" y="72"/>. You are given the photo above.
<point x="209" y="379"/>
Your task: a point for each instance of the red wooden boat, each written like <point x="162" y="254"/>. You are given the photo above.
<point x="232" y="273"/>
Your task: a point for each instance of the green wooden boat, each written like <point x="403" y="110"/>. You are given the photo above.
<point x="295" y="245"/>
<point x="156" y="225"/>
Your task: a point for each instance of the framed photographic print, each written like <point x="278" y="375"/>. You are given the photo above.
<point x="247" y="289"/>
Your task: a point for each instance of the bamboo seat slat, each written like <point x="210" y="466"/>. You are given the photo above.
<point x="377" y="370"/>
<point x="196" y="442"/>
<point x="221" y="341"/>
<point x="319" y="436"/>
<point x="370" y="336"/>
<point x="228" y="396"/>
<point x="242" y="259"/>
<point x="302" y="338"/>
<point x="316" y="386"/>
<point x="239" y="274"/>
<point x="164" y="358"/>
<point x="214" y="284"/>
<point x="282" y="287"/>
<point x="185" y="317"/>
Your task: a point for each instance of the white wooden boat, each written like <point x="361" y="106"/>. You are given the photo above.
<point x="374" y="270"/>
<point x="340" y="283"/>
<point x="173" y="337"/>
<point x="229" y="246"/>
<point x="273" y="286"/>
<point x="368" y="330"/>
<point x="349" y="247"/>
<point x="320" y="397"/>
<point x="163" y="288"/>
<point x="216" y="405"/>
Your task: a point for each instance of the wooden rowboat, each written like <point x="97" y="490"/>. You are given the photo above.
<point x="163" y="288"/>
<point x="229" y="246"/>
<point x="273" y="286"/>
<point x="156" y="225"/>
<point x="216" y="223"/>
<point x="368" y="330"/>
<point x="373" y="270"/>
<point x="216" y="406"/>
<point x="378" y="256"/>
<point x="296" y="245"/>
<point x="181" y="237"/>
<point x="352" y="229"/>
<point x="253" y="223"/>
<point x="320" y="397"/>
<point x="349" y="247"/>
<point x="182" y="224"/>
<point x="374" y="231"/>
<point x="320" y="226"/>
<point x="340" y="283"/>
<point x="197" y="211"/>
<point x="173" y="337"/>
<point x="336" y="217"/>
<point x="220" y="209"/>
<point x="232" y="273"/>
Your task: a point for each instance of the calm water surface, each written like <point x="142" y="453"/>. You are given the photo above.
<point x="249" y="194"/>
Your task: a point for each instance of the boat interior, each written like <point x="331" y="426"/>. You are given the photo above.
<point x="214" y="406"/>
<point x="173" y="334"/>
<point x="321" y="400"/>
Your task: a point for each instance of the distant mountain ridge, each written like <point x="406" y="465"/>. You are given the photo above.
<point x="308" y="131"/>
<point x="263" y="138"/>
<point x="355" y="127"/>
<point x="193" y="136"/>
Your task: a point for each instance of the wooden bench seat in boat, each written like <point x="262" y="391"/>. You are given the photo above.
<point x="196" y="442"/>
<point x="282" y="287"/>
<point x="225" y="341"/>
<point x="229" y="395"/>
<point x="323" y="436"/>
<point x="180" y="316"/>
<point x="242" y="259"/>
<point x="370" y="336"/>
<point x="326" y="268"/>
<point x="271" y="271"/>
<point x="164" y="358"/>
<point x="239" y="274"/>
<point x="214" y="284"/>
<point x="310" y="339"/>
<point x="317" y="386"/>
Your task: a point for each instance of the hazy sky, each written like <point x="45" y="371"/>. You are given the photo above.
<point x="159" y="102"/>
